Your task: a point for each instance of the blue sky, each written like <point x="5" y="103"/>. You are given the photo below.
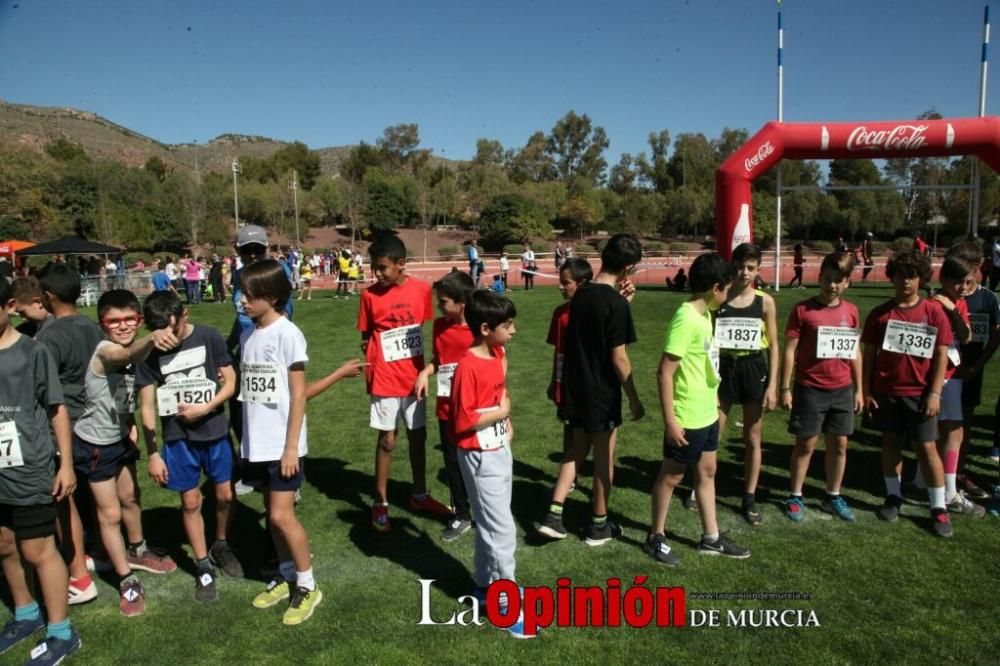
<point x="333" y="73"/>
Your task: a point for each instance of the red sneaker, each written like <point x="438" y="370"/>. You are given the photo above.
<point x="380" y="518"/>
<point x="131" y="600"/>
<point x="430" y="505"/>
<point x="150" y="560"/>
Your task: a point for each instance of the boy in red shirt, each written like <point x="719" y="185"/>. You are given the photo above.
<point x="821" y="343"/>
<point x="452" y="338"/>
<point x="480" y="410"/>
<point x="390" y="320"/>
<point x="906" y="342"/>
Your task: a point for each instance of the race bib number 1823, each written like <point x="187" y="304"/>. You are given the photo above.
<point x="403" y="342"/>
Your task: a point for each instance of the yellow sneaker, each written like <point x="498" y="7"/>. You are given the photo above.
<point x="276" y="590"/>
<point x="302" y="605"/>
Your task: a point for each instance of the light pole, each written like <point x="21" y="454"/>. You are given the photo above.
<point x="236" y="194"/>
<point x="295" y="195"/>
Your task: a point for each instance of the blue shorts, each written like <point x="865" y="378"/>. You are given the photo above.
<point x="185" y="461"/>
<point x="267" y="475"/>
<point x="700" y="440"/>
<point x="951" y="400"/>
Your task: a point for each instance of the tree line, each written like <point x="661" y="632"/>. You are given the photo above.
<point x="557" y="180"/>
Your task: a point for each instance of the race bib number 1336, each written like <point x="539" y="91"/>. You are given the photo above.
<point x="903" y="337"/>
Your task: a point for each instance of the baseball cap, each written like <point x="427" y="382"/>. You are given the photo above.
<point x="251" y="234"/>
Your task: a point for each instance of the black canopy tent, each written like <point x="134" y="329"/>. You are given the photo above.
<point x="69" y="245"/>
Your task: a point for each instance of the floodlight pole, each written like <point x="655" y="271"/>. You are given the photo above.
<point x="781" y="104"/>
<point x="236" y="194"/>
<point x="984" y="64"/>
<point x="295" y="195"/>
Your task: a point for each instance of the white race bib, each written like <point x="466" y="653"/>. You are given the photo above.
<point x="738" y="333"/>
<point x="445" y="374"/>
<point x="403" y="342"/>
<point x="10" y="446"/>
<point x="903" y="337"/>
<point x="195" y="391"/>
<point x="125" y="395"/>
<point x="494" y="436"/>
<point x="980" y="325"/>
<point x="954" y="355"/>
<point x="259" y="383"/>
<point x="837" y="342"/>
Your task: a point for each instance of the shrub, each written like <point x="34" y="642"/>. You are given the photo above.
<point x="683" y="246"/>
<point x="582" y="248"/>
<point x="446" y="251"/>
<point x="513" y="249"/>
<point x="653" y="247"/>
<point x="901" y="243"/>
<point x="821" y="246"/>
<point x="132" y="257"/>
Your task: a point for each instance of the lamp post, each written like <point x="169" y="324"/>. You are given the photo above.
<point x="294" y="185"/>
<point x="236" y="194"/>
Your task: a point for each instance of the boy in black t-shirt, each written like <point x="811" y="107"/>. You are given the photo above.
<point x="183" y="386"/>
<point x="31" y="402"/>
<point x="596" y="368"/>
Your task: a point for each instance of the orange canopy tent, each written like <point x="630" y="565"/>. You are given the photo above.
<point x="13" y="246"/>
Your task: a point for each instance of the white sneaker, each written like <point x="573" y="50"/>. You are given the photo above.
<point x="241" y="488"/>
<point x="962" y="505"/>
<point x="81" y="595"/>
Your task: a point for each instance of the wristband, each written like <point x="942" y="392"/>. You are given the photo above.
<point x="786" y="388"/>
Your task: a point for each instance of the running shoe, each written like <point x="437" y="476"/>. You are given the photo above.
<point x="995" y="453"/>
<point x="455" y="529"/>
<point x="517" y="629"/>
<point x="241" y="488"/>
<point x="430" y="506"/>
<point x="152" y="560"/>
<point x="277" y="590"/>
<point x="837" y="506"/>
<point x="552" y="526"/>
<point x="889" y="511"/>
<point x="969" y="487"/>
<point x="16" y="631"/>
<point x="51" y="651"/>
<point x="656" y="545"/>
<point x="795" y="509"/>
<point x="723" y="546"/>
<point x="691" y="502"/>
<point x="942" y="524"/>
<point x="302" y="605"/>
<point x="204" y="588"/>
<point x="131" y="597"/>
<point x="222" y="556"/>
<point x="598" y="535"/>
<point x="380" y="518"/>
<point x="81" y="594"/>
<point x="961" y="505"/>
<point x="752" y="514"/>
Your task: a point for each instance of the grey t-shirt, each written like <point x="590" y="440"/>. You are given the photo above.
<point x="71" y="341"/>
<point x="110" y="403"/>
<point x="29" y="387"/>
<point x="199" y="357"/>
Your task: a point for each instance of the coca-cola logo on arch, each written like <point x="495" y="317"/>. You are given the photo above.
<point x="901" y="137"/>
<point x="751" y="162"/>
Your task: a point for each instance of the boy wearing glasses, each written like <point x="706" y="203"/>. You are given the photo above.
<point x="104" y="449"/>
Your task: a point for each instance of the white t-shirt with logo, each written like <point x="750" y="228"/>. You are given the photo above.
<point x="265" y="424"/>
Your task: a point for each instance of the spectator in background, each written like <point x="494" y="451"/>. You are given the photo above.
<point x="498" y="285"/>
<point x="867" y="256"/>
<point x="110" y="270"/>
<point x="473" y="253"/>
<point x="504" y="269"/>
<point x="680" y="281"/>
<point x="6" y="268"/>
<point x="528" y="267"/>
<point x="172" y="273"/>
<point x="161" y="282"/>
<point x="842" y="244"/>
<point x="192" y="279"/>
<point x="216" y="279"/>
<point x="920" y="245"/>
<point x="798" y="265"/>
<point x="560" y="256"/>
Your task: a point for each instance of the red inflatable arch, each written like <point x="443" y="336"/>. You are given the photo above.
<point x="803" y="141"/>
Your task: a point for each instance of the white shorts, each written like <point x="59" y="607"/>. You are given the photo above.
<point x="386" y="412"/>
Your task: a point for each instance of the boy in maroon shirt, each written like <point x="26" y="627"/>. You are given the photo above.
<point x="821" y="343"/>
<point x="906" y="342"/>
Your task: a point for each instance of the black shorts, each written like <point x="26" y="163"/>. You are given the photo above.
<point x="900" y="415"/>
<point x="100" y="463"/>
<point x="344" y="277"/>
<point x="700" y="440"/>
<point x="267" y="475"/>
<point x="743" y="378"/>
<point x="29" y="522"/>
<point x="822" y="411"/>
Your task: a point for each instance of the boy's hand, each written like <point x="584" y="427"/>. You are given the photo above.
<point x="191" y="413"/>
<point x="675" y="435"/>
<point x="351" y="368"/>
<point x="164" y="339"/>
<point x="770" y="400"/>
<point x="158" y="469"/>
<point x="948" y="304"/>
<point x="859" y="401"/>
<point x="289" y="464"/>
<point x="637" y="409"/>
<point x="870" y="405"/>
<point x="626" y="289"/>
<point x="64" y="483"/>
<point x="420" y="386"/>
<point x="786" y="400"/>
<point x="932" y="405"/>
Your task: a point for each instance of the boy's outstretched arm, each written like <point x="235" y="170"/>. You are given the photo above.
<point x="351" y="368"/>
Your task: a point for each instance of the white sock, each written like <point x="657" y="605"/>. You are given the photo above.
<point x="710" y="538"/>
<point x="936" y="497"/>
<point x="893" y="486"/>
<point x="796" y="494"/>
<point x="693" y="498"/>
<point x="287" y="571"/>
<point x="305" y="580"/>
<point x="918" y="478"/>
<point x="950" y="486"/>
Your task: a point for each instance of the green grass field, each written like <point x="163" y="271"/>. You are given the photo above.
<point x="883" y="593"/>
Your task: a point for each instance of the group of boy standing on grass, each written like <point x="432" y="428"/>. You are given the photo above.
<point x="917" y="380"/>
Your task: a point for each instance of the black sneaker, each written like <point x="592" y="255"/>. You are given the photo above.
<point x="455" y="528"/>
<point x="889" y="511"/>
<point x="598" y="535"/>
<point x="691" y="502"/>
<point x="723" y="546"/>
<point x="223" y="557"/>
<point x="552" y="526"/>
<point x="656" y="545"/>
<point x="751" y="513"/>
<point x="204" y="588"/>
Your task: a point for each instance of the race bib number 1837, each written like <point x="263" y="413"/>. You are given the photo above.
<point x="738" y="333"/>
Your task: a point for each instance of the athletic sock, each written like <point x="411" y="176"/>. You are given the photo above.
<point x="599" y="521"/>
<point x="950" y="486"/>
<point x="797" y="494"/>
<point x="81" y="583"/>
<point x="893" y="486"/>
<point x="305" y="580"/>
<point x="27" y="612"/>
<point x="204" y="566"/>
<point x="832" y="496"/>
<point x="936" y="497"/>
<point x="287" y="571"/>
<point x="950" y="474"/>
<point x="61" y="630"/>
<point x="710" y="538"/>
<point x="749" y="499"/>
<point x="138" y="548"/>
<point x="556" y="508"/>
